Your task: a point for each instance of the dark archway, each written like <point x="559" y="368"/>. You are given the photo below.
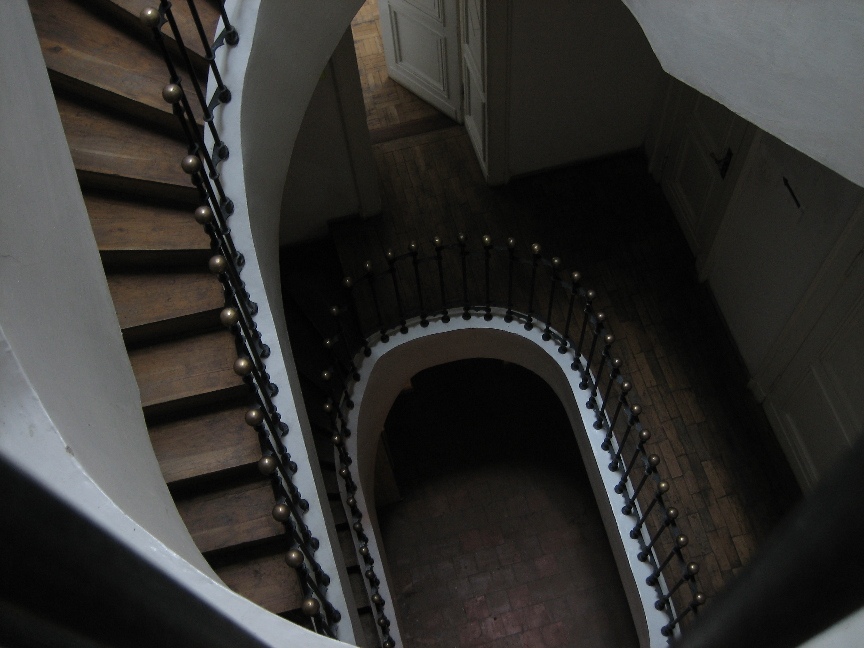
<point x="497" y="539"/>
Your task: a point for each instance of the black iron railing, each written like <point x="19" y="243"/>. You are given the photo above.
<point x="227" y="262"/>
<point x="533" y="291"/>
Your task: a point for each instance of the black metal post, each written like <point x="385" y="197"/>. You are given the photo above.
<point x="439" y="261"/>
<point x="511" y="262"/>
<point x="487" y="253"/>
<point x="681" y="541"/>
<point x="463" y="255"/>
<point x="412" y="250"/>
<point x="556" y="263"/>
<point x="535" y="252"/>
<point x="671" y="516"/>
<point x="662" y="488"/>
<point x="575" y="277"/>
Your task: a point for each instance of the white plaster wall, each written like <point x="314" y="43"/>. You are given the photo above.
<point x="272" y="73"/>
<point x="332" y="171"/>
<point x="56" y="312"/>
<point x="582" y="80"/>
<point x="792" y="67"/>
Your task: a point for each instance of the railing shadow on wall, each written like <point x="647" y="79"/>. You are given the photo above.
<point x="529" y="291"/>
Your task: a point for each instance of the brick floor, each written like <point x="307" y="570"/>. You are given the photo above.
<point x="497" y="540"/>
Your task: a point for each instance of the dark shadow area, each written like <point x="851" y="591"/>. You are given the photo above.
<point x="497" y="540"/>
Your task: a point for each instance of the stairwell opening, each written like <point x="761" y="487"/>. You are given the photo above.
<point x="492" y="532"/>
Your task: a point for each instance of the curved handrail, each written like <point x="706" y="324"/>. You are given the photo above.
<point x="378" y="305"/>
<point x="238" y="316"/>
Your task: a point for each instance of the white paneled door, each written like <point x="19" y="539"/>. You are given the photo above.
<point x="421" y="46"/>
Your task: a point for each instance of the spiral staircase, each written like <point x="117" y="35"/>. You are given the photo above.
<point x="107" y="76"/>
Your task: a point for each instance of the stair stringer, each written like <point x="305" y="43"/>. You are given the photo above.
<point x="272" y="73"/>
<point x="390" y="365"/>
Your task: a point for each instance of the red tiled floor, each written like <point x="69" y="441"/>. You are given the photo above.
<point x="527" y="562"/>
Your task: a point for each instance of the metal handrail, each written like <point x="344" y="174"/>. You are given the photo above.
<point x="359" y="321"/>
<point x="238" y="316"/>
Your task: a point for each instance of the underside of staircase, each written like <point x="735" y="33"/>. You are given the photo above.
<point x="107" y="77"/>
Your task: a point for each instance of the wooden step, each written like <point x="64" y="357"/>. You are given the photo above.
<point x="231" y="516"/>
<point x="266" y="580"/>
<point x="185" y="371"/>
<point x="157" y="305"/>
<point x="113" y="153"/>
<point x="132" y="233"/>
<point x="204" y="444"/>
<point x="128" y="12"/>
<point x="88" y="55"/>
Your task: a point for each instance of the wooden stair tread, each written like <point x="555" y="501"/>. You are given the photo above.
<point x="141" y="299"/>
<point x="265" y="580"/>
<point x="104" y="144"/>
<point x="231" y="516"/>
<point x="124" y="225"/>
<point x="209" y="18"/>
<point x="204" y="444"/>
<point x="95" y="56"/>
<point x="185" y="368"/>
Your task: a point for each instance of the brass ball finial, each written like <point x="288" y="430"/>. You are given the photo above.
<point x="150" y="17"/>
<point x="698" y="599"/>
<point x="608" y="339"/>
<point x="692" y="568"/>
<point x="311" y="606"/>
<point x="328" y="343"/>
<point x="461" y="238"/>
<point x="590" y="295"/>
<point x="327" y="407"/>
<point x="672" y="513"/>
<point x="337" y="439"/>
<point x="367" y="266"/>
<point x="254" y="416"/>
<point x="172" y="93"/>
<point x="203" y="214"/>
<point x="636" y="410"/>
<point x="347" y="282"/>
<point x="242" y="366"/>
<point x="334" y="311"/>
<point x="575" y="277"/>
<point x="229" y="316"/>
<point x="191" y="164"/>
<point x="294" y="558"/>
<point x="412" y="247"/>
<point x="437" y="242"/>
<point x="326" y="375"/>
<point x="616" y="363"/>
<point x="626" y="386"/>
<point x="511" y="242"/>
<point x="487" y="241"/>
<point x="267" y="465"/>
<point x="654" y="460"/>
<point x="388" y="643"/>
<point x="644" y="435"/>
<point x="377" y="599"/>
<point x="217" y="264"/>
<point x="536" y="249"/>
<point x="601" y="317"/>
<point x="663" y="487"/>
<point x="281" y="512"/>
<point x="682" y="541"/>
<point x="556" y="262"/>
<point x="390" y="255"/>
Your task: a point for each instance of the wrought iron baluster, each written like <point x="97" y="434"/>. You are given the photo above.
<point x="463" y="255"/>
<point x="535" y="261"/>
<point x="632" y="419"/>
<point x="439" y="261"/>
<point x="575" y="278"/>
<point x="601" y="411"/>
<point x="590" y="295"/>
<point x="622" y="400"/>
<point x="651" y="464"/>
<point x="608" y="339"/>
<point x="412" y="250"/>
<point x="681" y="541"/>
<point x="662" y="489"/>
<point x="487" y="253"/>
<point x="669" y="628"/>
<point x="556" y="263"/>
<point x="671" y="516"/>
<point x="381" y="329"/>
<point x="511" y="262"/>
<point x="599" y="321"/>
<point x="689" y="574"/>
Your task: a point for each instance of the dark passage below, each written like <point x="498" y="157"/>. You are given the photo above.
<point x="497" y="540"/>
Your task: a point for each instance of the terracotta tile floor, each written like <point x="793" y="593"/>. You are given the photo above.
<point x="497" y="540"/>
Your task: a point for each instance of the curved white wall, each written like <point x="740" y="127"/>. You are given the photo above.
<point x="793" y="68"/>
<point x="392" y="364"/>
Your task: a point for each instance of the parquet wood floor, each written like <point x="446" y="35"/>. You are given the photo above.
<point x="391" y="110"/>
